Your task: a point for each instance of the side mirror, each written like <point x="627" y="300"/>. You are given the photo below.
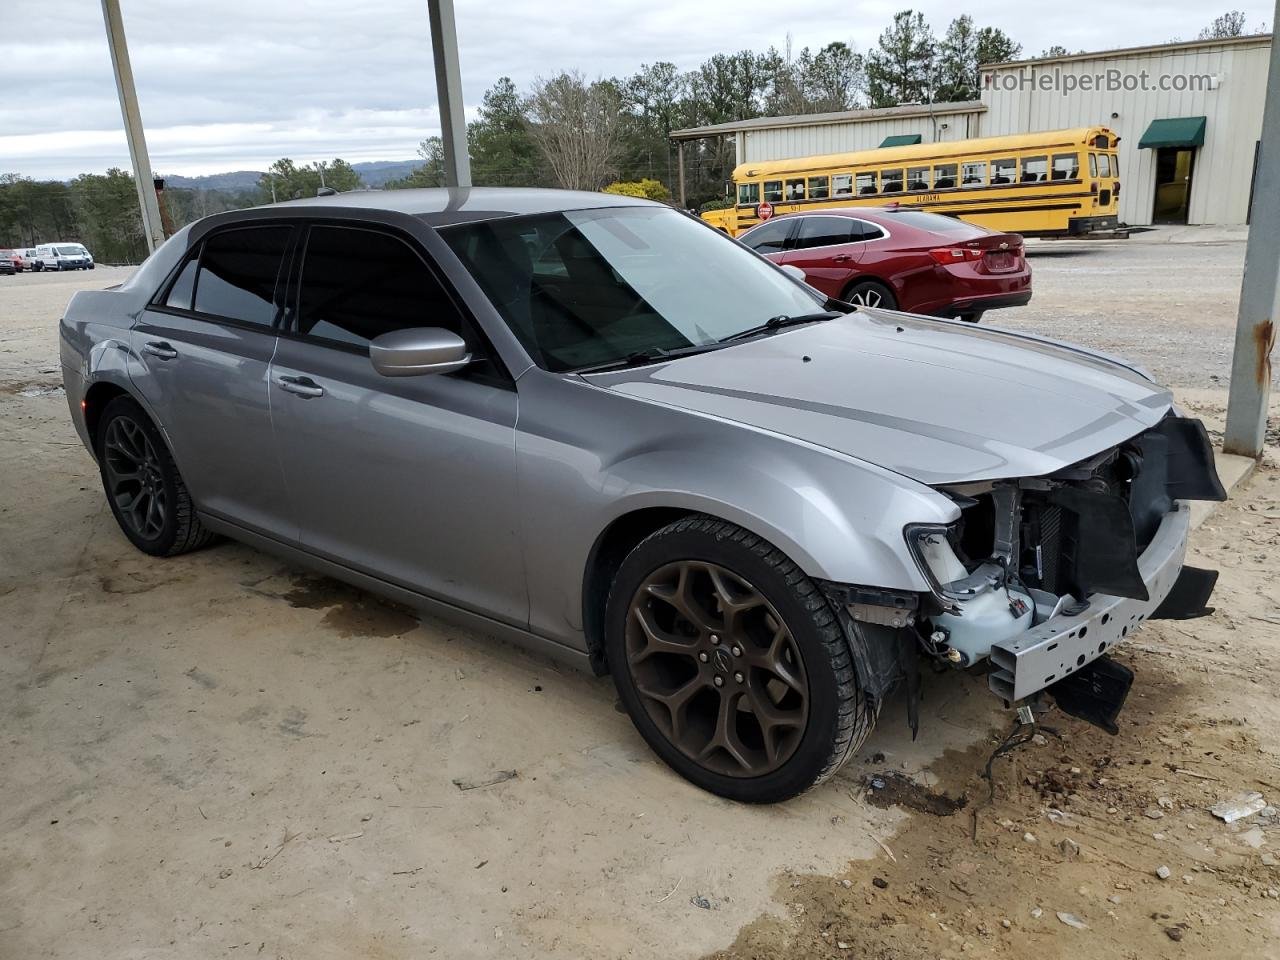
<point x="794" y="272"/>
<point x="413" y="352"/>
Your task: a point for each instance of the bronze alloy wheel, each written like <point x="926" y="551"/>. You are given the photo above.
<point x="717" y="669"/>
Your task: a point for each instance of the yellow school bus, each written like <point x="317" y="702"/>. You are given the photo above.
<point x="1055" y="184"/>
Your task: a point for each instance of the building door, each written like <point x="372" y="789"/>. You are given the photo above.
<point x="1174" y="166"/>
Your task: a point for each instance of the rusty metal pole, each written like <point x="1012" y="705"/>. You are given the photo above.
<point x="151" y="226"/>
<point x="1260" y="292"/>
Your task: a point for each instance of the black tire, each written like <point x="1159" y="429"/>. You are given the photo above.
<point x="973" y="316"/>
<point x="838" y="717"/>
<point x="177" y="529"/>
<point x="865" y="292"/>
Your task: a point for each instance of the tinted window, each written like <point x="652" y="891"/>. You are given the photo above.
<point x="182" y="289"/>
<point x="824" y="231"/>
<point x="862" y="230"/>
<point x="768" y="237"/>
<point x="238" y="271"/>
<point x="358" y="284"/>
<point x="636" y="279"/>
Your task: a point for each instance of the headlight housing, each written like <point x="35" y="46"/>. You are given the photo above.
<point x="930" y="547"/>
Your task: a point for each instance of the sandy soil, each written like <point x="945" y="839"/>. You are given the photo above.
<point x="220" y="753"/>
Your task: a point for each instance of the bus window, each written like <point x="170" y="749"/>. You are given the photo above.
<point x="1093" y="164"/>
<point x="1104" y="165"/>
<point x="819" y="188"/>
<point x="795" y="189"/>
<point x="890" y="180"/>
<point x="944" y="176"/>
<point x="842" y="185"/>
<point x="974" y="173"/>
<point x="748" y="193"/>
<point x="1066" y="166"/>
<point x="773" y="191"/>
<point x="867" y="182"/>
<point x="1003" y="171"/>
<point x="917" y="178"/>
<point x="1034" y="169"/>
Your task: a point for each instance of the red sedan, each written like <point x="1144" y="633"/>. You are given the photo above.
<point x="901" y="259"/>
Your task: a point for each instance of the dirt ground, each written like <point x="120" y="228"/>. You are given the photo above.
<point x="220" y="753"/>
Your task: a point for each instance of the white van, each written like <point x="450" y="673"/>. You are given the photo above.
<point x="62" y="256"/>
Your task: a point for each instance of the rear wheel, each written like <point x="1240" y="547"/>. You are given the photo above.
<point x="144" y="489"/>
<point x="871" y="293"/>
<point x="731" y="663"/>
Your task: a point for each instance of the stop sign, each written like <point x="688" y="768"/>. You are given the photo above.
<point x="766" y="210"/>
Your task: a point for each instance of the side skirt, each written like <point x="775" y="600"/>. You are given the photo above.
<point x="410" y="598"/>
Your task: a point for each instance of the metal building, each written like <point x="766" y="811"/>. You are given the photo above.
<point x="1189" y="116"/>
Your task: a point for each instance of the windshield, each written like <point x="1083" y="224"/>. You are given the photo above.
<point x="69" y="251"/>
<point x="582" y="288"/>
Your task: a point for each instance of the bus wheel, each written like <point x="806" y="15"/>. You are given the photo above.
<point x="871" y="293"/>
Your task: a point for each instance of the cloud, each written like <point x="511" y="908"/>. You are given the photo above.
<point x="236" y="84"/>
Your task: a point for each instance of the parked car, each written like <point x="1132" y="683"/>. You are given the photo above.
<point x="9" y="262"/>
<point x="62" y="256"/>
<point x="599" y="427"/>
<point x="24" y="259"/>
<point x="900" y="259"/>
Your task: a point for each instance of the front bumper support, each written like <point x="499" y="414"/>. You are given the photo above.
<point x="1029" y="662"/>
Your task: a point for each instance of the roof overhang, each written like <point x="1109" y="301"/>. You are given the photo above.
<point x="903" y="112"/>
<point x="1174" y="132"/>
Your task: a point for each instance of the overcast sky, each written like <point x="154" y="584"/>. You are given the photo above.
<point x="236" y="84"/>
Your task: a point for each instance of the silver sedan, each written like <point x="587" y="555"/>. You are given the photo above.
<point x="599" y="427"/>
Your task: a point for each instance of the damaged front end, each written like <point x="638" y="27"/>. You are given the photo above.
<point x="1041" y="576"/>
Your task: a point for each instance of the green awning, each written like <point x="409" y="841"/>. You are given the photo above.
<point x="1174" y="132"/>
<point x="901" y="140"/>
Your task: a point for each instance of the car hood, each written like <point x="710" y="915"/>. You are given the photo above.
<point x="940" y="402"/>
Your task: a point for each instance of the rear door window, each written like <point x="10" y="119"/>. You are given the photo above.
<point x="238" y="272"/>
<point x="358" y="284"/>
<point x="824" y="232"/>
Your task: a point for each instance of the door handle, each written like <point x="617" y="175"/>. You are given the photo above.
<point x="302" y="386"/>
<point x="158" y="348"/>
<point x="841" y="258"/>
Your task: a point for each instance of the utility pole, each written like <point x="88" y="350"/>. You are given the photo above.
<point x="152" y="226"/>
<point x="1259" y="292"/>
<point x="453" y="121"/>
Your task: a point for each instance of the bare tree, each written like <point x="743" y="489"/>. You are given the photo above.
<point x="578" y="127"/>
<point x="1230" y="24"/>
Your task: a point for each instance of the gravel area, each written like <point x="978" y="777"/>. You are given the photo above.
<point x="1168" y="306"/>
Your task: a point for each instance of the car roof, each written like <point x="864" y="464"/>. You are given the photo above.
<point x="440" y="206"/>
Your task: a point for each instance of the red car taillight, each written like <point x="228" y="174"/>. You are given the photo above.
<point x="949" y="255"/>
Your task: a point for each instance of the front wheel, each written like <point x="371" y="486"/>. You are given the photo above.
<point x="871" y="293"/>
<point x="731" y="663"/>
<point x="143" y="486"/>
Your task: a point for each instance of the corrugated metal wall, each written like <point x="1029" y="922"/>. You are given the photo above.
<point x="1223" y="168"/>
<point x="785" y="142"/>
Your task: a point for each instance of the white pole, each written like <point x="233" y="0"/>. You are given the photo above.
<point x="142" y="179"/>
<point x="453" y="121"/>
